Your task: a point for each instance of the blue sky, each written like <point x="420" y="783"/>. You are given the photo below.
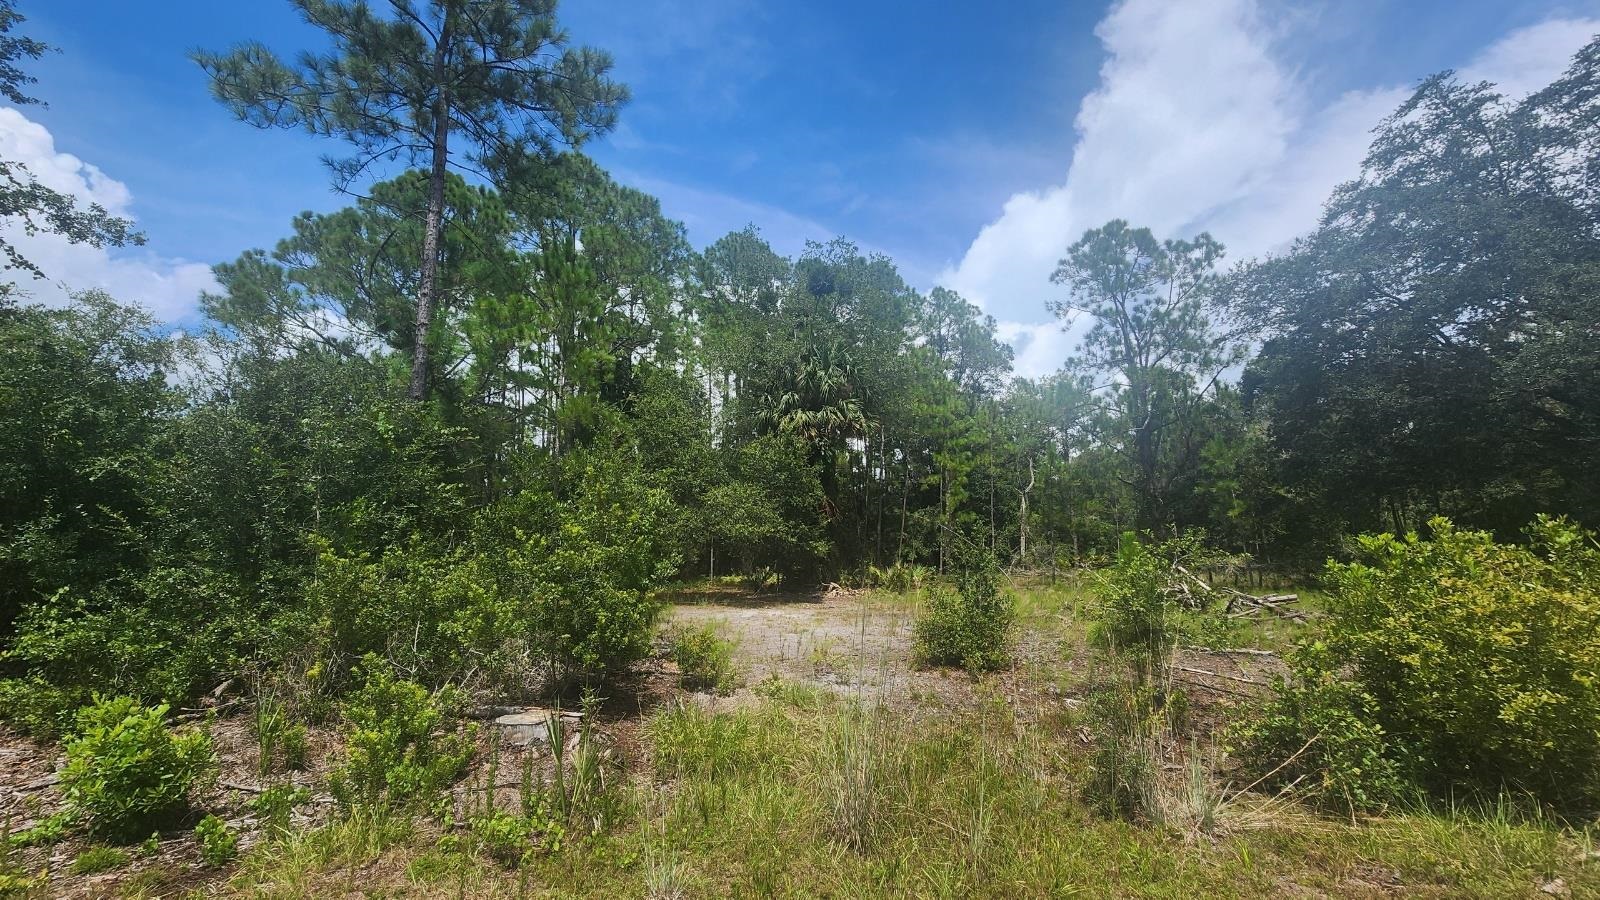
<point x="971" y="145"/>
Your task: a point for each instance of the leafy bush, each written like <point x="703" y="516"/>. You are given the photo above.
<point x="396" y="752"/>
<point x="971" y="626"/>
<point x="560" y="584"/>
<point x="218" y="843"/>
<point x="166" y="633"/>
<point x="1322" y="735"/>
<point x="705" y="661"/>
<point x="1137" y="618"/>
<point x="127" y="774"/>
<point x="1454" y="661"/>
<point x="38" y="707"/>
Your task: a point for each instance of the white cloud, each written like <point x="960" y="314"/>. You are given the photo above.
<point x="1039" y="346"/>
<point x="1197" y="125"/>
<point x="169" y="288"/>
<point x="1530" y="58"/>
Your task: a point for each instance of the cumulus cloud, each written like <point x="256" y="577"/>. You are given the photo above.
<point x="169" y="288"/>
<point x="1198" y="125"/>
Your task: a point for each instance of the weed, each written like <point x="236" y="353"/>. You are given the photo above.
<point x="852" y="774"/>
<point x="665" y="876"/>
<point x="275" y="804"/>
<point x="689" y="741"/>
<point x="219" y="844"/>
<point x="98" y="859"/>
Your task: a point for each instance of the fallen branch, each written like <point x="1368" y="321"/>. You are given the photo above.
<point x="1231" y="651"/>
<point x="1224" y="675"/>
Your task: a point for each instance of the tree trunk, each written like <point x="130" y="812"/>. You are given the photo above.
<point x="433" y="225"/>
<point x="1022" y="517"/>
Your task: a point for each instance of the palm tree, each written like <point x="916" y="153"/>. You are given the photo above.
<point x="820" y="404"/>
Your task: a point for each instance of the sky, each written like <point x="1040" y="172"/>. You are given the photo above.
<point x="970" y="144"/>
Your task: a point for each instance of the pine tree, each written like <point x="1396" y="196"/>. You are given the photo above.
<point x="496" y="74"/>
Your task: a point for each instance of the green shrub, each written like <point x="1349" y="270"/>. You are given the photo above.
<point x="219" y="844"/>
<point x="1137" y="620"/>
<point x="1322" y="735"/>
<point x="39" y="708"/>
<point x="899" y="578"/>
<point x="563" y="582"/>
<point x="1450" y="662"/>
<point x="168" y="633"/>
<point x="397" y="754"/>
<point x="972" y="626"/>
<point x="127" y="773"/>
<point x="705" y="661"/>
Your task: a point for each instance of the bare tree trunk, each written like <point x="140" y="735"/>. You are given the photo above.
<point x="1022" y="516"/>
<point x="428" y="286"/>
<point x="883" y="475"/>
<point x="905" y="501"/>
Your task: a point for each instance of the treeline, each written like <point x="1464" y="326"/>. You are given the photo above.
<point x="490" y="482"/>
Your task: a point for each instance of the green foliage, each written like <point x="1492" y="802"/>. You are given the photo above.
<point x="687" y="740"/>
<point x="399" y="752"/>
<point x="972" y="626"/>
<point x="219" y="844"/>
<point x="1124" y="769"/>
<point x="507" y="85"/>
<point x="82" y="396"/>
<point x="275" y="804"/>
<point x="503" y="835"/>
<point x="49" y="830"/>
<point x="168" y="633"/>
<point x="1323" y="736"/>
<point x="560" y="582"/>
<point x="1422" y="345"/>
<point x="127" y="773"/>
<point x="705" y="659"/>
<point x="1152" y="335"/>
<point x="900" y="578"/>
<point x="1465" y="662"/>
<point x="1138" y="619"/>
<point x="98" y="859"/>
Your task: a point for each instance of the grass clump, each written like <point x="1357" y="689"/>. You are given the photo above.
<point x="95" y="860"/>
<point x="704" y="658"/>
<point x="689" y="741"/>
<point x="971" y="627"/>
<point x="127" y="773"/>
